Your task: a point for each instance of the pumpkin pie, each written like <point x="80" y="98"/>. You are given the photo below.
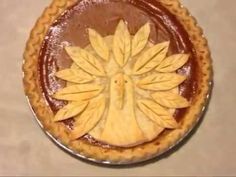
<point x="117" y="81"/>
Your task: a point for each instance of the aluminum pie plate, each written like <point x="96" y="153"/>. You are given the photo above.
<point x="157" y="156"/>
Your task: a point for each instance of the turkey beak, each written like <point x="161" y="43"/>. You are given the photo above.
<point x="120" y="89"/>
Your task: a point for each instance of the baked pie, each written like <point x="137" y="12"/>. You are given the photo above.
<point x="117" y="81"/>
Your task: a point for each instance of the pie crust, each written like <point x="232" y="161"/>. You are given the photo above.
<point x="115" y="155"/>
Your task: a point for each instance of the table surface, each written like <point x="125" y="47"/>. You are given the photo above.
<point x="25" y="150"/>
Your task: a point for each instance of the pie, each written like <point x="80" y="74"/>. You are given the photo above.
<point x="117" y="81"/>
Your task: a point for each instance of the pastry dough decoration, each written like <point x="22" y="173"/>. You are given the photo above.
<point x="140" y="39"/>
<point x="151" y="58"/>
<point x="70" y="110"/>
<point x="99" y="44"/>
<point x="121" y="127"/>
<point x="172" y="63"/>
<point x="89" y="118"/>
<point x="74" y="75"/>
<point x="170" y="100"/>
<point x="104" y="104"/>
<point x="86" y="61"/>
<point x="122" y="44"/>
<point x="161" y="81"/>
<point x="118" y="90"/>
<point x="158" y="114"/>
<point x="78" y="92"/>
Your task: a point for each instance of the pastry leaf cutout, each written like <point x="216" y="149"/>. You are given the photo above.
<point x="151" y="58"/>
<point x="170" y="100"/>
<point x="70" y="110"/>
<point x="86" y="61"/>
<point x="122" y="44"/>
<point x="140" y="39"/>
<point x="99" y="44"/>
<point x="74" y="75"/>
<point x="161" y="81"/>
<point x="172" y="63"/>
<point x="78" y="92"/>
<point x="89" y="118"/>
<point x="157" y="114"/>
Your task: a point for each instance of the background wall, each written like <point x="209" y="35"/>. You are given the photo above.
<point x="25" y="150"/>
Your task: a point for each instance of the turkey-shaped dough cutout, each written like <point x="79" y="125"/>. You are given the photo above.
<point x="121" y="127"/>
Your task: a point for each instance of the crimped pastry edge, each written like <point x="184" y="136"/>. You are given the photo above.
<point x="59" y="133"/>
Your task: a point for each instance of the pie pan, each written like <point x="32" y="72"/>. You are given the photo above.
<point x="84" y="150"/>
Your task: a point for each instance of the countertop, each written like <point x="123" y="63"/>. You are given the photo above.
<point x="25" y="150"/>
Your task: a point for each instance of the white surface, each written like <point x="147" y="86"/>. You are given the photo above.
<point x="25" y="150"/>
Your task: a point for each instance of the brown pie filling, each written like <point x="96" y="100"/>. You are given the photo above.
<point x="71" y="29"/>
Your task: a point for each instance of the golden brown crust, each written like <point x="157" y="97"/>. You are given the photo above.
<point x="129" y="155"/>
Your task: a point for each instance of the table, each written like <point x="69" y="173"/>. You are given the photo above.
<point x="25" y="150"/>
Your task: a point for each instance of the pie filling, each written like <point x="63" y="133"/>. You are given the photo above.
<point x="118" y="74"/>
